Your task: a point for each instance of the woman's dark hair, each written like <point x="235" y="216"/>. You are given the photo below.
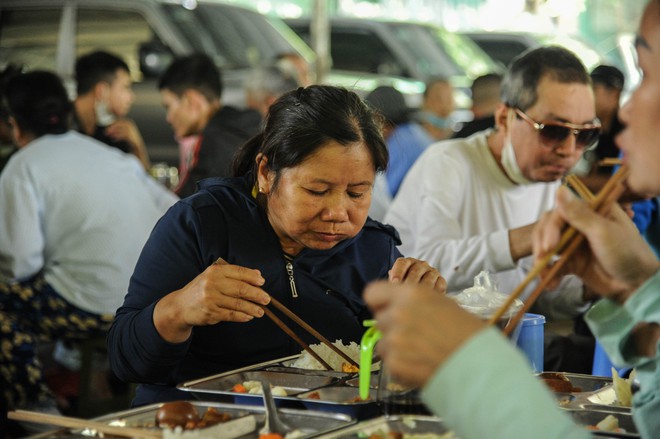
<point x="39" y="103"/>
<point x="303" y="120"/>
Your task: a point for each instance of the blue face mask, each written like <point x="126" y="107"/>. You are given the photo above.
<point x="436" y="120"/>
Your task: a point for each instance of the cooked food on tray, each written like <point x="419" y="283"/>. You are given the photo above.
<point x="609" y="423"/>
<point x="349" y="368"/>
<point x="306" y="361"/>
<point x="558" y="382"/>
<point x="623" y="388"/>
<point x="400" y="435"/>
<point x="183" y="414"/>
<point x="255" y="387"/>
<point x="181" y="420"/>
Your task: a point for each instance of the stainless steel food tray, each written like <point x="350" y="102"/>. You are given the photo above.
<point x="406" y="424"/>
<point x="593" y="417"/>
<point x="311" y="423"/>
<point x="340" y="399"/>
<point x="210" y="384"/>
<point x="295" y="381"/>
<point x="597" y="393"/>
<point x="292" y="383"/>
<point x="594" y="402"/>
<point x="587" y="383"/>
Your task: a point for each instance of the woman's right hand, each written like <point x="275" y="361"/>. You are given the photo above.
<point x="221" y="293"/>
<point x="616" y="260"/>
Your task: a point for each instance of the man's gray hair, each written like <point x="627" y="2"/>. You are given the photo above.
<point x="520" y="84"/>
<point x="269" y="81"/>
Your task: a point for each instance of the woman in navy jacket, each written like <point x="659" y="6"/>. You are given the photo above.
<point x="293" y="224"/>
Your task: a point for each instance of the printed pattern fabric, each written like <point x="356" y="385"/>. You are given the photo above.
<point x="32" y="312"/>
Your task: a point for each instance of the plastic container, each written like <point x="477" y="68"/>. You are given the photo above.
<point x="602" y="365"/>
<point x="530" y="340"/>
<point x="484" y="300"/>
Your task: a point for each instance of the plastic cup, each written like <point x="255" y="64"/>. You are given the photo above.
<point x="530" y="340"/>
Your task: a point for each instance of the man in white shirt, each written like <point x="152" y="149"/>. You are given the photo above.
<point x="469" y="205"/>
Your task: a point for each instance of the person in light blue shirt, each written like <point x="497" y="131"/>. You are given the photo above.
<point x="406" y="140"/>
<point x="75" y="215"/>
<point x="472" y="376"/>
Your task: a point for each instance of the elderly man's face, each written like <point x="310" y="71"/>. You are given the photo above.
<point x="557" y="102"/>
<point x="641" y="114"/>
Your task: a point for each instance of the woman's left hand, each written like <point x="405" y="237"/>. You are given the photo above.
<point x="415" y="271"/>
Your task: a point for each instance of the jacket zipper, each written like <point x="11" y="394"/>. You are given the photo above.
<point x="292" y="281"/>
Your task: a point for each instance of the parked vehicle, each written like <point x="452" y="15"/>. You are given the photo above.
<point x="147" y="34"/>
<point x="504" y="46"/>
<point x="402" y="54"/>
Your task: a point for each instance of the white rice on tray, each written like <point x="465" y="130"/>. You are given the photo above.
<point x="306" y="361"/>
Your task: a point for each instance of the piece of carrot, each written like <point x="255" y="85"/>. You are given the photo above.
<point x="239" y="388"/>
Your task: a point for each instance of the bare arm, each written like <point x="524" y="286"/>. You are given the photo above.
<point x="126" y="130"/>
<point x="520" y="242"/>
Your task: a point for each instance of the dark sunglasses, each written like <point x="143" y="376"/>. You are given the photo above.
<point x="554" y="134"/>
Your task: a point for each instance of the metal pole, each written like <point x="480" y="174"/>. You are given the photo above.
<point x="320" y="38"/>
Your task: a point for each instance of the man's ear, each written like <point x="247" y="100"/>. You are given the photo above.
<point x="194" y="100"/>
<point x="19" y="136"/>
<point x="102" y="91"/>
<point x="501" y="116"/>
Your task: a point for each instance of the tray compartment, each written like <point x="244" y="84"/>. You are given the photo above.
<point x="311" y="423"/>
<point x="406" y="424"/>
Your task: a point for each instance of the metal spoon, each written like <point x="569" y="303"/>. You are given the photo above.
<point x="273" y="422"/>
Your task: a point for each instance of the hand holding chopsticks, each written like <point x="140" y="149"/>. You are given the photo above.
<point x="569" y="242"/>
<point x="290" y="314"/>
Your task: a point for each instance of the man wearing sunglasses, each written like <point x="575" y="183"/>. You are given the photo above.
<point x="469" y="205"/>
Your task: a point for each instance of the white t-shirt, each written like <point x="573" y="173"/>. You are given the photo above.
<point x="80" y="211"/>
<point x="454" y="210"/>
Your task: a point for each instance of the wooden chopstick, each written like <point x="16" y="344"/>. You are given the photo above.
<point x="277" y="304"/>
<point x="77" y="423"/>
<point x="579" y="187"/>
<point x="294" y="336"/>
<point x="568" y="243"/>
<point x="570" y="249"/>
<point x="610" y="161"/>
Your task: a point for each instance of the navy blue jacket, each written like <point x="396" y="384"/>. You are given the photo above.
<point x="224" y="220"/>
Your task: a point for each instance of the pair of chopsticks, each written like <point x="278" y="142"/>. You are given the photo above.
<point x="578" y="186"/>
<point x="569" y="241"/>
<point x="277" y="304"/>
<point x="77" y="423"/>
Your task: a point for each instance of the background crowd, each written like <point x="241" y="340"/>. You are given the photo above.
<point x="284" y="198"/>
